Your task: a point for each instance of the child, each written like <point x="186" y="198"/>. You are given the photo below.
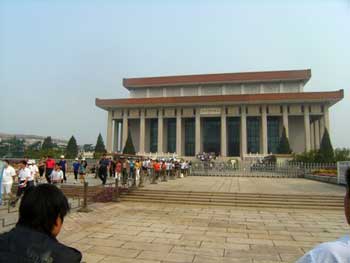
<point x="56" y="175"/>
<point x="82" y="170"/>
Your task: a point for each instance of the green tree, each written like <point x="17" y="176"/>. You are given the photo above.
<point x="129" y="145"/>
<point x="33" y="150"/>
<point x="12" y="147"/>
<point x="100" y="147"/>
<point x="88" y="148"/>
<point x="326" y="153"/>
<point x="284" y="147"/>
<point x="72" y="148"/>
<point x="305" y="157"/>
<point x="342" y="154"/>
<point x="47" y="144"/>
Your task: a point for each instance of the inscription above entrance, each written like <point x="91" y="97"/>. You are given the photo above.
<point x="210" y="111"/>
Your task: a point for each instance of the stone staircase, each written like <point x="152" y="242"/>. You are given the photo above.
<point x="255" y="200"/>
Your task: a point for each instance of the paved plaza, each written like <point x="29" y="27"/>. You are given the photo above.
<point x="151" y="232"/>
<point x="250" y="185"/>
<point x="142" y="233"/>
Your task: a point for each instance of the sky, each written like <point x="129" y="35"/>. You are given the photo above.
<point x="56" y="57"/>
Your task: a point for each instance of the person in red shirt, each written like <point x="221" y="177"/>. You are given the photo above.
<point x="156" y="169"/>
<point x="49" y="166"/>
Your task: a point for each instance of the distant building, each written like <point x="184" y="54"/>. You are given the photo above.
<point x="231" y="114"/>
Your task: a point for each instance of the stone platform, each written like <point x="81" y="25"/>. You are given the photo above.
<point x="154" y="233"/>
<point x="250" y="185"/>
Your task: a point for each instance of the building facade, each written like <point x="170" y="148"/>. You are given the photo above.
<point x="231" y="114"/>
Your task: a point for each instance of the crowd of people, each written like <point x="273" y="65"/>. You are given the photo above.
<point x="29" y="173"/>
<point x="129" y="170"/>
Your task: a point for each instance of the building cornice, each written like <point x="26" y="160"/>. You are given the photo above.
<point x="330" y="97"/>
<point x="221" y="78"/>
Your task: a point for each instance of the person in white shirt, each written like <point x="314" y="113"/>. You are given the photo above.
<point x="57" y="175"/>
<point x="33" y="172"/>
<point x="7" y="179"/>
<point x="24" y="175"/>
<point x="337" y="251"/>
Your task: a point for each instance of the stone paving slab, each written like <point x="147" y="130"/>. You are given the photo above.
<point x="249" y="185"/>
<point x="160" y="233"/>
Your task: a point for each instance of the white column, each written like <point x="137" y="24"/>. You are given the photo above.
<point x="178" y="132"/>
<point x="307" y="128"/>
<point x="264" y="130"/>
<point x="109" y="139"/>
<point x="317" y="134"/>
<point x="223" y="133"/>
<point x="125" y="129"/>
<point x="285" y="119"/>
<point x="115" y="135"/>
<point x="198" y="131"/>
<point x="312" y="136"/>
<point x="160" y="131"/>
<point x="243" y="131"/>
<point x="142" y="131"/>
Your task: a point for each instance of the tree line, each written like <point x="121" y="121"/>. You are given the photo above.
<point x="16" y="148"/>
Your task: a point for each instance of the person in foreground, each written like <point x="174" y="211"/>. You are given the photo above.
<point x="41" y="214"/>
<point x="337" y="251"/>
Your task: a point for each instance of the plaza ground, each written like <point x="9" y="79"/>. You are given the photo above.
<point x="250" y="185"/>
<point x="153" y="232"/>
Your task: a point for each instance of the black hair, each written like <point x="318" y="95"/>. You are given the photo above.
<point x="41" y="206"/>
<point x="23" y="162"/>
<point x="7" y="161"/>
<point x="347" y="178"/>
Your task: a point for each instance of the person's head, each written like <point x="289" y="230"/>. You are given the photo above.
<point x="104" y="156"/>
<point x="22" y="164"/>
<point x="7" y="163"/>
<point x="76" y="159"/>
<point x="43" y="208"/>
<point x="62" y="157"/>
<point x="347" y="196"/>
<point x="57" y="167"/>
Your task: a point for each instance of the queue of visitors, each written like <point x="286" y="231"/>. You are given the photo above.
<point x="130" y="170"/>
<point x="29" y="174"/>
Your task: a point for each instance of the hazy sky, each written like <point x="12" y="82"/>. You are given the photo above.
<point x="56" y="57"/>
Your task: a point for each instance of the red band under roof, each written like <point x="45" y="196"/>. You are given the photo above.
<point x="243" y="77"/>
<point x="330" y="96"/>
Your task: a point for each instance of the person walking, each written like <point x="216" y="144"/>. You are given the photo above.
<point x="33" y="170"/>
<point x="137" y="169"/>
<point x="103" y="168"/>
<point x="118" y="169"/>
<point x="7" y="180"/>
<point x="82" y="170"/>
<point x="76" y="165"/>
<point x="63" y="164"/>
<point x="132" y="177"/>
<point x="112" y="164"/>
<point x="24" y="175"/>
<point x="163" y="172"/>
<point x="49" y="166"/>
<point x="125" y="172"/>
<point x="41" y="166"/>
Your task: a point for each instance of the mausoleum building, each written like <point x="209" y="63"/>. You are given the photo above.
<point x="231" y="114"/>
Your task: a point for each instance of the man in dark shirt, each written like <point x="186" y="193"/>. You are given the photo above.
<point x="33" y="240"/>
<point x="103" y="168"/>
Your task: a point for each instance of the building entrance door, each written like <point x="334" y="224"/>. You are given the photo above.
<point x="211" y="135"/>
